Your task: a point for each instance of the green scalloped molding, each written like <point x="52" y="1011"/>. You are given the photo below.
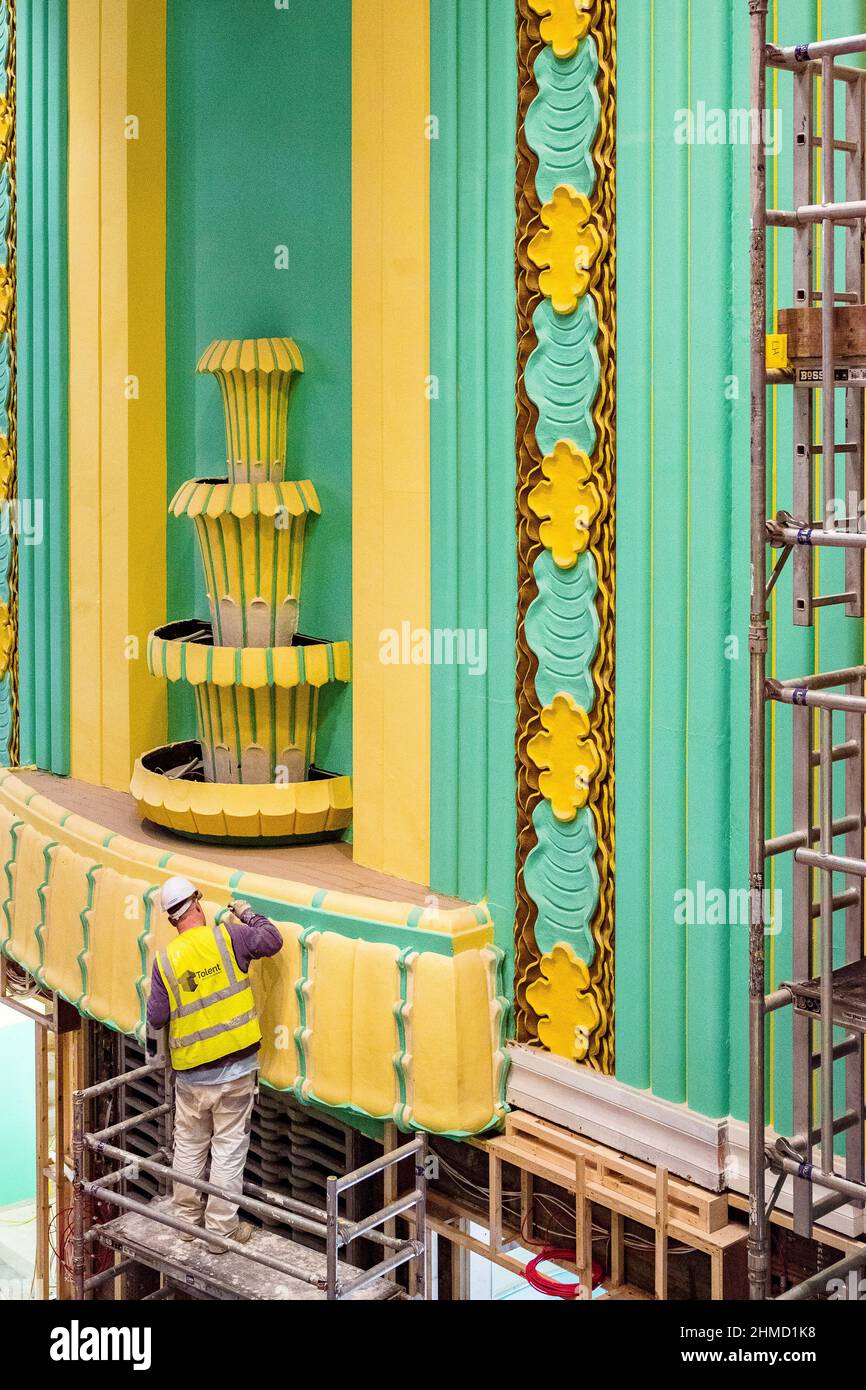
<point x="563" y="375"/>
<point x="562" y="379"/>
<point x="562" y="122"/>
<point x="562" y="879"/>
<point x="562" y="628"/>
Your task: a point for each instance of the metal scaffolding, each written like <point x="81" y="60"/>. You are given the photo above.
<point x="335" y="1281"/>
<point x="824" y="1157"/>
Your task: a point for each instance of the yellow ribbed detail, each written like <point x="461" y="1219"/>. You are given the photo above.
<point x="263" y="355"/>
<point x="195" y="498"/>
<point x="254" y="376"/>
<point x="251" y="667"/>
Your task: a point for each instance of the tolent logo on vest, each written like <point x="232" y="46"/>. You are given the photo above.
<point x="77" y="1343"/>
<point x="190" y="979"/>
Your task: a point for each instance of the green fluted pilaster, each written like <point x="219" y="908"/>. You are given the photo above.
<point x="43" y="406"/>
<point x="635" y="465"/>
<point x="473" y="68"/>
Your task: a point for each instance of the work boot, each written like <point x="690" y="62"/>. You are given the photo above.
<point x="184" y="1216"/>
<point x="241" y="1233"/>
<point x="190" y="1235"/>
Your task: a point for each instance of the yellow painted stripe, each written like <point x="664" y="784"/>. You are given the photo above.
<point x="391" y="445"/>
<point x="85" y="433"/>
<point x="117" y="388"/>
<point x="114" y="407"/>
<point x="147" y="468"/>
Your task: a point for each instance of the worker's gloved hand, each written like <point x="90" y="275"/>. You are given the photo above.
<point x="240" y="907"/>
<point x="151" y="1044"/>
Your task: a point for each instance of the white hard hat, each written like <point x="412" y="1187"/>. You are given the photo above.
<point x="175" y="892"/>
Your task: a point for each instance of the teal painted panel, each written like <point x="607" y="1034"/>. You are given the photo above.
<point x="43" y="396"/>
<point x="635" y="469"/>
<point x="18" y="1108"/>
<point x="738" y="599"/>
<point x="472" y="450"/>
<point x="669" y="442"/>
<point x="259" y="158"/>
<point x="708" y="493"/>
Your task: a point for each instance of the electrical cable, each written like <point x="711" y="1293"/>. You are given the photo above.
<point x="545" y="1284"/>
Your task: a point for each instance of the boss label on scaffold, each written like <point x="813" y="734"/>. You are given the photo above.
<point x="843" y="376"/>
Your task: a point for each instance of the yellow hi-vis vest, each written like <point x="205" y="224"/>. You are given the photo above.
<point x="213" y="1011"/>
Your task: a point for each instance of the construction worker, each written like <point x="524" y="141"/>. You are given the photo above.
<point x="201" y="989"/>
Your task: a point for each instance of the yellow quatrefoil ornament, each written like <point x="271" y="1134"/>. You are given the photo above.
<point x="568" y="249"/>
<point x="569" y="500"/>
<point x="568" y="1012"/>
<point x="569" y="757"/>
<point x="566" y="23"/>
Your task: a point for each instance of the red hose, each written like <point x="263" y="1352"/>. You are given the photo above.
<point x="542" y="1283"/>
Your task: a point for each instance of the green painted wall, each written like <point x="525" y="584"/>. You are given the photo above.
<point x="43" y="410"/>
<point x="18" y="1108"/>
<point x="682" y="551"/>
<point x="259" y="158"/>
<point x="472" y="458"/>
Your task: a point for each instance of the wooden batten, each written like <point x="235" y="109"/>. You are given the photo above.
<point x="802" y="328"/>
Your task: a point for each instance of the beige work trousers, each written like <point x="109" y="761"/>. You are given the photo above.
<point x="212" y="1121"/>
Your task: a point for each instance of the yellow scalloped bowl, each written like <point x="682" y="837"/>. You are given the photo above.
<point x="293" y="812"/>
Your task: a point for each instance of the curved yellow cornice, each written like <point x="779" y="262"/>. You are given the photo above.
<point x="202" y="498"/>
<point x="251" y="355"/>
<point x="252" y="667"/>
<point x="255" y="811"/>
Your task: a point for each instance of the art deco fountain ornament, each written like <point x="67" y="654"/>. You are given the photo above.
<point x="251" y="774"/>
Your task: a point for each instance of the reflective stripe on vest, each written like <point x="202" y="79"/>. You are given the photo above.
<point x="212" y="1007"/>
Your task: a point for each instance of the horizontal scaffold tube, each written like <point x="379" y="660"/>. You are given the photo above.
<point x="817" y="699"/>
<point x="855" y="1190"/>
<point x="817" y="212"/>
<point x="801" y="53"/>
<point x="796" y="839"/>
<point x="161" y="1170"/>
<point x="103" y="1088"/>
<point x="160" y="1215"/>
<point x="826" y="680"/>
<point x="816" y="1284"/>
<point x="388" y="1160"/>
<point x="409" y="1251"/>
<point x="782" y="58"/>
<point x="786" y="530"/>
<point x="837" y="863"/>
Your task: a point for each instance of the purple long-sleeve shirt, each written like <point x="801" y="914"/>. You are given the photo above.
<point x="252" y="939"/>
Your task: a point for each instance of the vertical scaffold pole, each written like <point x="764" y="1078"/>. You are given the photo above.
<point x="758" y="1257"/>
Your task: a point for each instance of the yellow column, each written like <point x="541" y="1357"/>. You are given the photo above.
<point x="391" y="443"/>
<point x="117" y="379"/>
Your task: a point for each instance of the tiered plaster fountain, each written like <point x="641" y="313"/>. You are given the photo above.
<point x="250" y="776"/>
